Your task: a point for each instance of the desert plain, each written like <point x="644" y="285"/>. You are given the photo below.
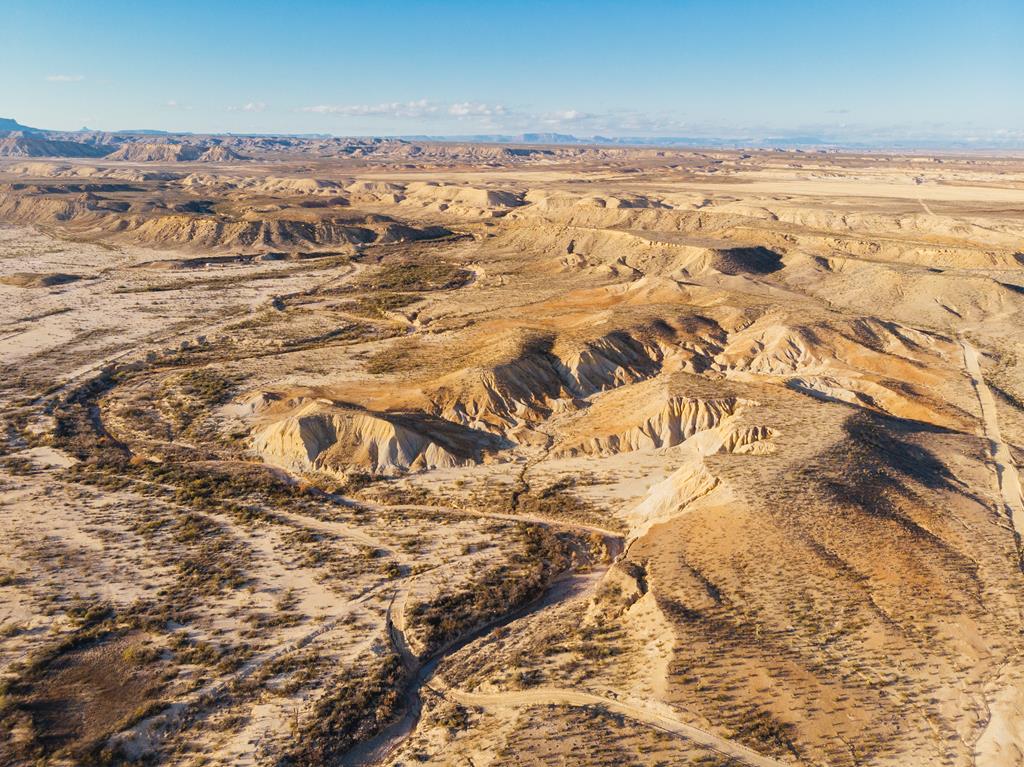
<point x="340" y="452"/>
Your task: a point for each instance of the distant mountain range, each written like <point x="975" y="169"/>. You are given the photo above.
<point x="711" y="142"/>
<point x="805" y="141"/>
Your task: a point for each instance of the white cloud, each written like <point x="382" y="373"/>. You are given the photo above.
<point x="473" y="109"/>
<point x="568" y="116"/>
<point x="419" y="108"/>
<point x="501" y="118"/>
<point x="65" y="78"/>
<point x="252" y="106"/>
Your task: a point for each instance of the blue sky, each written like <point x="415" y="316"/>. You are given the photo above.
<point x="727" y="68"/>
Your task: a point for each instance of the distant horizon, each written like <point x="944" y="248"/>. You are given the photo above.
<point x="752" y="143"/>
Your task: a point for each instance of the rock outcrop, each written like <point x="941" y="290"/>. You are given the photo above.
<point x="323" y="436"/>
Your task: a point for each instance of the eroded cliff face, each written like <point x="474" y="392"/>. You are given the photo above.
<point x="323" y="437"/>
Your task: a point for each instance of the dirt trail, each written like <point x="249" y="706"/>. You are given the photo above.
<point x="1006" y="471"/>
<point x="333" y="527"/>
<point x="999" y="744"/>
<point x="637" y="711"/>
<point x="377" y="749"/>
<point x="572" y="586"/>
<point x="612" y="536"/>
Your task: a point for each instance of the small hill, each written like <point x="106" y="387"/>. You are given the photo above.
<point x="143" y="152"/>
<point x="322" y="436"/>
<point x="8" y="124"/>
<point x="32" y="145"/>
<point x="220" y="154"/>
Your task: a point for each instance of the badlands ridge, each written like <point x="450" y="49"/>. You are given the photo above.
<point x="334" y="452"/>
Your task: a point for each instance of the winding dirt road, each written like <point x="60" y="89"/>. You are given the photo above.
<point x="638" y="711"/>
<point x="424" y="675"/>
<point x="1007" y="475"/>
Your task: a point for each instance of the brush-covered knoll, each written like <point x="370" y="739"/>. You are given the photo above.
<point x="886" y="366"/>
<point x="756" y="260"/>
<point x="872" y="608"/>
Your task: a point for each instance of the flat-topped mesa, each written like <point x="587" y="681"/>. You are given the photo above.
<point x="278" y="233"/>
<point x="376" y="191"/>
<point x="325" y="437"/>
<point x="468" y="197"/>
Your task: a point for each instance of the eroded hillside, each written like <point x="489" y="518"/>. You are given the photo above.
<point x="480" y="455"/>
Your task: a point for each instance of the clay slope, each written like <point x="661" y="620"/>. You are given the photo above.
<point x="325" y="437"/>
<point x="611" y="428"/>
<point x="528" y="377"/>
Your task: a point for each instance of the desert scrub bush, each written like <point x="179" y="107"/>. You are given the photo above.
<point x="259" y="622"/>
<point x="379" y="304"/>
<point x="140" y="654"/>
<point x="557" y="501"/>
<point x="224" y="658"/>
<point x="18" y="465"/>
<point x="499" y="590"/>
<point x="208" y="386"/>
<point x="451" y="716"/>
<point x="760" y="730"/>
<point x="193" y="393"/>
<point x="530" y="677"/>
<point x="11" y="629"/>
<point x="415" y="276"/>
<point x="143" y="711"/>
<point x="399" y="356"/>
<point x="356" y="707"/>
